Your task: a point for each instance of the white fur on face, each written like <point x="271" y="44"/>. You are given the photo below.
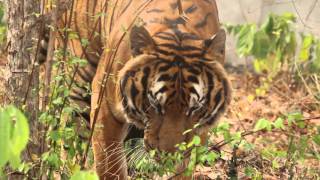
<point x="194" y="99"/>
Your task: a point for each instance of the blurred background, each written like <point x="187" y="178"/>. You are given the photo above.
<point x="257" y="11"/>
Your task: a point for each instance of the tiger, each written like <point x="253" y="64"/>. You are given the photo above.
<point x="157" y="66"/>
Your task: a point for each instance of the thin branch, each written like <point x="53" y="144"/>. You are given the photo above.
<point x="298" y="13"/>
<point x="313" y="6"/>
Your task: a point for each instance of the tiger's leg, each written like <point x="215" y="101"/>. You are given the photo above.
<point x="109" y="158"/>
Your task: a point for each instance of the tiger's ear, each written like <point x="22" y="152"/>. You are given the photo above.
<point x="215" y="46"/>
<point x="141" y="41"/>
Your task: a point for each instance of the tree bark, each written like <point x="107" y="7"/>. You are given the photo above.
<point x="23" y="72"/>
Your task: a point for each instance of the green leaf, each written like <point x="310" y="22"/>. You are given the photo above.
<point x="249" y="171"/>
<point x="306" y="44"/>
<point x="294" y="117"/>
<point x="192" y="162"/>
<point x="245" y="39"/>
<point x="54" y="160"/>
<point x="58" y="101"/>
<point x="275" y="164"/>
<point x="316" y="139"/>
<point x="20" y="135"/>
<point x="14" y="135"/>
<point x="84" y="42"/>
<point x="223" y="126"/>
<point x="279" y="124"/>
<point x="263" y="124"/>
<point x="195" y="142"/>
<point x="261" y="45"/>
<point x="83" y="175"/>
<point x="5" y="127"/>
<point x="55" y="135"/>
<point x="211" y="157"/>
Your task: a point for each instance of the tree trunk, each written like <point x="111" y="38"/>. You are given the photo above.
<point x="23" y="72"/>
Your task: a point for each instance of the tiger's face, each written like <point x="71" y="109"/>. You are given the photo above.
<point x="172" y="83"/>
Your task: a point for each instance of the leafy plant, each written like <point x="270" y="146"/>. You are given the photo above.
<point x="272" y="45"/>
<point x="14" y="135"/>
<point x="274" y="48"/>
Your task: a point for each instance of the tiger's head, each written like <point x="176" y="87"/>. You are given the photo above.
<point x="174" y="81"/>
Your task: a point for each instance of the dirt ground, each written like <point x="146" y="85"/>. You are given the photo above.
<point x="246" y="109"/>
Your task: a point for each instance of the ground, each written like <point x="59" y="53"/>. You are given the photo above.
<point x="246" y="109"/>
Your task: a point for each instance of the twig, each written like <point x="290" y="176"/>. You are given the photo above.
<point x="49" y="60"/>
<point x="298" y="13"/>
<point x="313" y="6"/>
<point x="233" y="173"/>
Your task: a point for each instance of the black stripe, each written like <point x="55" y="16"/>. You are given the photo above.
<point x="170" y="97"/>
<point x="164" y="77"/>
<point x="225" y="87"/>
<point x="155" y="21"/>
<point x="185" y="35"/>
<point x="193" y="70"/>
<point x="217" y="98"/>
<point x="85" y="115"/>
<point x="134" y="93"/>
<point x="199" y="66"/>
<point x="92" y="59"/>
<point x="222" y="108"/>
<point x="144" y="79"/>
<point x="144" y="82"/>
<point x="43" y="51"/>
<point x="210" y="85"/>
<point x="80" y="93"/>
<point x="76" y="97"/>
<point x="125" y="103"/>
<point x="193" y="55"/>
<point x="126" y="7"/>
<point x="180" y="48"/>
<point x="164" y="68"/>
<point x="191" y="9"/>
<point x="123" y="83"/>
<point x="155" y="10"/>
<point x="166" y="38"/>
<point x="161" y="90"/>
<point x="184" y="97"/>
<point x="168" y="35"/>
<point x="203" y="22"/>
<point x="174" y="22"/>
<point x="167" y="53"/>
<point x="84" y="75"/>
<point x="192" y="90"/>
<point x="193" y="79"/>
<point x="175" y="76"/>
